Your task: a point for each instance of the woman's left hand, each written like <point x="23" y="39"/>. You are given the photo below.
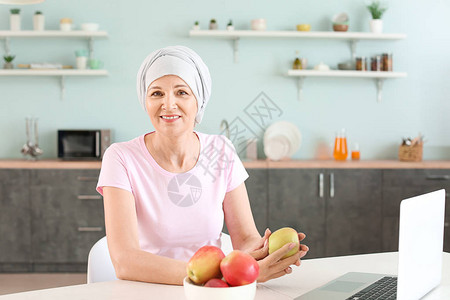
<point x="261" y="249"/>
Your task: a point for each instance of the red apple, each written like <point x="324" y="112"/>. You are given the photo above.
<point x="205" y="264"/>
<point x="239" y="268"/>
<point x="216" y="282"/>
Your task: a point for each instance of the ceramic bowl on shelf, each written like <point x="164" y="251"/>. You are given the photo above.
<point x="340" y="27"/>
<point x="89" y="26"/>
<point x="259" y="24"/>
<point x="303" y="27"/>
<point x="198" y="292"/>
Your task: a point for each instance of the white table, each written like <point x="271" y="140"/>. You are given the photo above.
<point x="311" y="274"/>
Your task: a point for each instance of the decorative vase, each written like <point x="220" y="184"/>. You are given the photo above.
<point x="376" y="26"/>
<point x="230" y="27"/>
<point x="196" y="27"/>
<point x="8" y="65"/>
<point x="15" y="22"/>
<point x="38" y="22"/>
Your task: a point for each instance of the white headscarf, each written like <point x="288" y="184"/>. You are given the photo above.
<point x="180" y="61"/>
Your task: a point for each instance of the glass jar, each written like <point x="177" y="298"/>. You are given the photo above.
<point x="387" y="61"/>
<point x="375" y="64"/>
<point x="361" y="63"/>
<point x="340" y="146"/>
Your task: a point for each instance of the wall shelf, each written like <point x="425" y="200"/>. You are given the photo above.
<point x="52" y="33"/>
<point x="7" y="35"/>
<point x="351" y="37"/>
<point x="378" y="76"/>
<point x="59" y="73"/>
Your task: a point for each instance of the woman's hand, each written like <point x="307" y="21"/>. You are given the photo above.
<point x="272" y="266"/>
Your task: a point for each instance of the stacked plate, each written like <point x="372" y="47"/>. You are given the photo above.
<point x="281" y="140"/>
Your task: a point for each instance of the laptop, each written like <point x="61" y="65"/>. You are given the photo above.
<point x="421" y="225"/>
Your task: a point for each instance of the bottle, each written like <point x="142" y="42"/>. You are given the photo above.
<point x="340" y="146"/>
<point x="297" y="65"/>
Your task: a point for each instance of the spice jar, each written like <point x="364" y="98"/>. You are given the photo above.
<point x="361" y="63"/>
<point x="387" y="61"/>
<point x="375" y="64"/>
<point x="65" y="24"/>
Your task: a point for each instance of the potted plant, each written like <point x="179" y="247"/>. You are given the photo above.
<point x="376" y="10"/>
<point x="8" y="61"/>
<point x="38" y="21"/>
<point x="14" y="19"/>
<point x="196" y="26"/>
<point x="230" y="25"/>
<point x="213" y="24"/>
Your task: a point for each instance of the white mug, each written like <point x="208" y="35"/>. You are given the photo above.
<point x="81" y="62"/>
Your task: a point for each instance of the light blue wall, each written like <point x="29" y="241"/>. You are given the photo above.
<point x="419" y="103"/>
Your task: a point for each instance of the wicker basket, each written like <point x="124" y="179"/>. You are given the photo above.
<point x="411" y="153"/>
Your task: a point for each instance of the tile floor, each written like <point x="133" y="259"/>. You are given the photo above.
<point x="15" y="283"/>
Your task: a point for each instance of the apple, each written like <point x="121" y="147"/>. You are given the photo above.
<point x="216" y="282"/>
<point x="205" y="264"/>
<point x="239" y="268"/>
<point x="282" y="237"/>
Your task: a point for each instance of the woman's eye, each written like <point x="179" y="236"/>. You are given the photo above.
<point x="182" y="93"/>
<point x="156" y="94"/>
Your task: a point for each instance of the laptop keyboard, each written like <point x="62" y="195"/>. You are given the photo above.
<point x="383" y="289"/>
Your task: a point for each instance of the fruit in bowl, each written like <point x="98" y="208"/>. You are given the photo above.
<point x="205" y="264"/>
<point x="281" y="237"/>
<point x="204" y="275"/>
<point x="239" y="268"/>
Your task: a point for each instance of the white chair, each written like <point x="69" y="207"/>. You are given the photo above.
<point x="100" y="267"/>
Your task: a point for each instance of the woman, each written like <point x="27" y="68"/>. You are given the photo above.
<point x="168" y="192"/>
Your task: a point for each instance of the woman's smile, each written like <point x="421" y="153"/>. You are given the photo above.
<point x="170" y="118"/>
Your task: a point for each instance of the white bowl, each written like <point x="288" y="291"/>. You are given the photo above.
<point x="197" y="292"/>
<point x="89" y="26"/>
<point x="259" y="24"/>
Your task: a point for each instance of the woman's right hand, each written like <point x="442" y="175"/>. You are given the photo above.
<point x="272" y="266"/>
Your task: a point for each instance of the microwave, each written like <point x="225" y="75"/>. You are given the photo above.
<point x="83" y="144"/>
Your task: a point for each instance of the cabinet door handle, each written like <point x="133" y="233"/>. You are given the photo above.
<point x="321" y="185"/>
<point x="89" y="229"/>
<point x="438" y="177"/>
<point x="89" y="197"/>
<point x="332" y="185"/>
<point x="87" y="178"/>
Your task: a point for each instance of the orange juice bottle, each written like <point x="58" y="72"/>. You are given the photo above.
<point x="340" y="146"/>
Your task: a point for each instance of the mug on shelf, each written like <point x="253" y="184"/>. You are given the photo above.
<point x="95" y="64"/>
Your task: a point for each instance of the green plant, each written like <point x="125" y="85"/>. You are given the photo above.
<point x="9" y="58"/>
<point x="196" y="23"/>
<point x="230" y="23"/>
<point x="213" y="21"/>
<point x="15" y="11"/>
<point x="38" y="12"/>
<point x="376" y="9"/>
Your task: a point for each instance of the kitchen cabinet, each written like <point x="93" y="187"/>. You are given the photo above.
<point x="294" y="202"/>
<point x="67" y="218"/>
<point x="401" y="184"/>
<point x="338" y="210"/>
<point x="15" y="221"/>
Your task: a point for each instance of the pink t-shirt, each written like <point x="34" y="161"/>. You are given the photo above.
<point x="177" y="213"/>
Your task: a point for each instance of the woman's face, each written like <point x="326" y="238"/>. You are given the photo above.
<point x="171" y="105"/>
